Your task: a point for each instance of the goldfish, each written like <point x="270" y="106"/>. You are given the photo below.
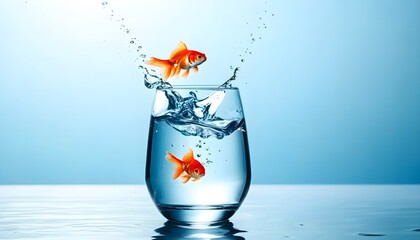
<point x="188" y="167"/>
<point x="180" y="58"/>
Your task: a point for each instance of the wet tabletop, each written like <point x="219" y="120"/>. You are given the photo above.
<point x="269" y="212"/>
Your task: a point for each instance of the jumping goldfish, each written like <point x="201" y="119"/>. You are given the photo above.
<point x="180" y="58"/>
<point x="188" y="165"/>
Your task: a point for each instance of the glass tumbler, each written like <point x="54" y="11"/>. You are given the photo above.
<point x="198" y="166"/>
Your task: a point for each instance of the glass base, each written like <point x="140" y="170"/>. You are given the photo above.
<point x="206" y="215"/>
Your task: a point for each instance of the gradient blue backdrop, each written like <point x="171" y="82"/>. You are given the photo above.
<point x="331" y="89"/>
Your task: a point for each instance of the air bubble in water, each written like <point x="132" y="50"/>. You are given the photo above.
<point x="132" y="42"/>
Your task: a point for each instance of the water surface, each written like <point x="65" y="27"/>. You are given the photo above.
<point x="269" y="212"/>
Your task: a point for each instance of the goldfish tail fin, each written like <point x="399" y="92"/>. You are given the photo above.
<point x="178" y="165"/>
<point x="166" y="65"/>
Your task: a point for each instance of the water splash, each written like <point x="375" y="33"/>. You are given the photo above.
<point x="192" y="116"/>
<point x="153" y="81"/>
<point x="228" y="83"/>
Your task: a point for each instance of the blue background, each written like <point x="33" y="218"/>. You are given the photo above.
<point x="331" y="89"/>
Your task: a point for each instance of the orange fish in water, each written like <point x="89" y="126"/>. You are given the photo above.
<point x="188" y="165"/>
<point x="180" y="58"/>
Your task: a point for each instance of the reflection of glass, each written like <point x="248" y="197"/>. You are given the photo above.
<point x="173" y="231"/>
<point x="210" y="122"/>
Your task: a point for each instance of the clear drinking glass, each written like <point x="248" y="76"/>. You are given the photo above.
<point x="198" y="166"/>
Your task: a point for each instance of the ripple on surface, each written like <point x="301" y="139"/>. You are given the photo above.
<point x="371" y="234"/>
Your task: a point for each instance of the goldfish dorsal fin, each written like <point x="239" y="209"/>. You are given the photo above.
<point x="188" y="157"/>
<point x="181" y="47"/>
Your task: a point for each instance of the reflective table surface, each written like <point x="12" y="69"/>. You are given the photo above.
<point x="269" y="212"/>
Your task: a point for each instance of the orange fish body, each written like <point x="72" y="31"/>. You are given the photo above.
<point x="188" y="166"/>
<point x="180" y="58"/>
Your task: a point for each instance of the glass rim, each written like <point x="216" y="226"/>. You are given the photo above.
<point x="203" y="87"/>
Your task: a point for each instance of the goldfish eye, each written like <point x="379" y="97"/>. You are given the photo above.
<point x="196" y="170"/>
<point x="199" y="56"/>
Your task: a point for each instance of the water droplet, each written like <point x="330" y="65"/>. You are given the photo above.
<point x="172" y="145"/>
<point x="131" y="42"/>
<point x="204" y="142"/>
<point x="219" y="150"/>
<point x="250" y="52"/>
<point x="209" y="154"/>
<point x="272" y="14"/>
<point x="251" y="34"/>
<point x="231" y="67"/>
<point x="198" y="155"/>
<point x="260" y="18"/>
<point x="156" y="131"/>
<point x="242" y="60"/>
<point x="142" y="55"/>
<point x="253" y="39"/>
<point x="104" y="3"/>
<point x="127" y="31"/>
